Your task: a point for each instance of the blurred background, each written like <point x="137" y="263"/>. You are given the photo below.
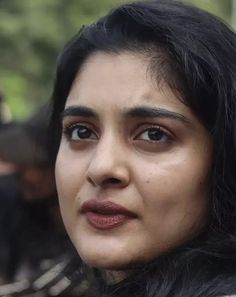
<point x="32" y="32"/>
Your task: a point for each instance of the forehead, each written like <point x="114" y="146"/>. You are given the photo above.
<point x="120" y="81"/>
<point x="103" y="71"/>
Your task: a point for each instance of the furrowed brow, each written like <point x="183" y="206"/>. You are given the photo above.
<point x="81" y="111"/>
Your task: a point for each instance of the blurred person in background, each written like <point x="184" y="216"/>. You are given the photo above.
<point x="34" y="248"/>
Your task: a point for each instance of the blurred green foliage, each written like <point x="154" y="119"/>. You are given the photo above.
<point x="221" y="8"/>
<point x="33" y="31"/>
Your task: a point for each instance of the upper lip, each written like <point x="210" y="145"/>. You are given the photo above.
<point x="105" y="207"/>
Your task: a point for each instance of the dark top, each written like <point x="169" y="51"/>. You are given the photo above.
<point x="37" y="258"/>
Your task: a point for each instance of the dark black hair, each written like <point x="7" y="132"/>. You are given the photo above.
<point x="195" y="54"/>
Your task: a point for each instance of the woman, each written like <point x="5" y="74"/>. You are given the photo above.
<point x="144" y="124"/>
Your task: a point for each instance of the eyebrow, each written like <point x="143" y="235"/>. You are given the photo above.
<point x="134" y="112"/>
<point x="153" y="112"/>
<point x="82" y="111"/>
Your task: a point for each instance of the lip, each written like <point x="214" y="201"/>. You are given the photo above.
<point x="106" y="215"/>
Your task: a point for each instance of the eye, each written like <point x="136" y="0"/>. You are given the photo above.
<point x="154" y="134"/>
<point x="80" y="132"/>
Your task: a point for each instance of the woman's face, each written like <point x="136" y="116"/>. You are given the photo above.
<point x="133" y="166"/>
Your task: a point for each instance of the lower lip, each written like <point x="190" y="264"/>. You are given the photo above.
<point x="106" y="221"/>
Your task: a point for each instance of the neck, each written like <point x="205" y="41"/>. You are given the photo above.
<point x="112" y="277"/>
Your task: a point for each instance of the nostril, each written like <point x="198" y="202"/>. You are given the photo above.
<point x="113" y="180"/>
<point x="105" y="182"/>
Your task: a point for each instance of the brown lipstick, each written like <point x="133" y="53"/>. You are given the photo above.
<point x="105" y="214"/>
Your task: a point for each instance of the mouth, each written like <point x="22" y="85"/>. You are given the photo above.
<point x="106" y="215"/>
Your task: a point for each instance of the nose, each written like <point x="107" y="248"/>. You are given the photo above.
<point x="108" y="166"/>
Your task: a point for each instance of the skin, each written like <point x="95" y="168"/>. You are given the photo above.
<point x="162" y="180"/>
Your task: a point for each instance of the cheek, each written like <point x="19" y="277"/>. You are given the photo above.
<point x="175" y="188"/>
<point x="70" y="172"/>
<point x="69" y="178"/>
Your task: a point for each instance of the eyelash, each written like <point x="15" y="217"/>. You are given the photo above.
<point x="157" y="132"/>
<point x="69" y="130"/>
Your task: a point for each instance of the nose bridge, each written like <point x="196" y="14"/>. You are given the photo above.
<point x="108" y="162"/>
<point x="108" y="153"/>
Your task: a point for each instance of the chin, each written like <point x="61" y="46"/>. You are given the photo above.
<point x="104" y="260"/>
<point x="120" y="259"/>
<point x="111" y="252"/>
